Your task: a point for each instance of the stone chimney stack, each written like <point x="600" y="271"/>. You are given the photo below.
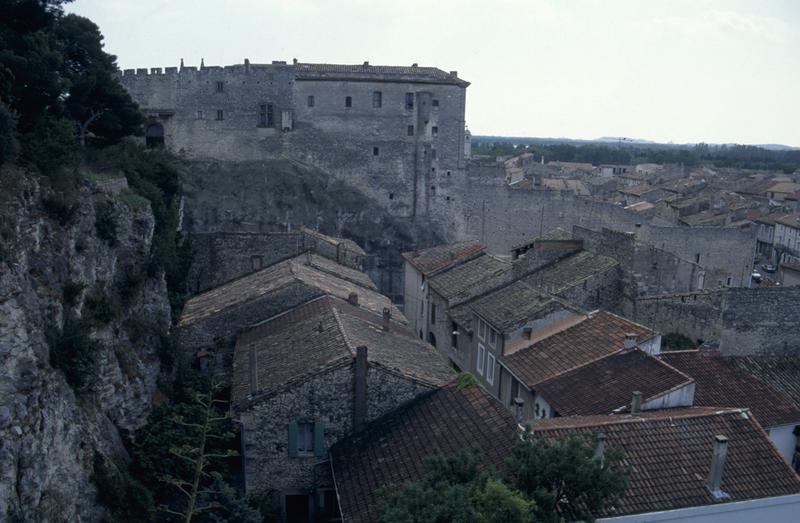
<point x="387" y="318"/>
<point x="518" y="404"/>
<point x="718" y="466"/>
<point x="360" y="389"/>
<point x="630" y="342"/>
<point x="600" y="449"/>
<point x="636" y="403"/>
<point x="352" y="299"/>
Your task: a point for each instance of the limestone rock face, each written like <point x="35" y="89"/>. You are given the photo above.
<point x="54" y="266"/>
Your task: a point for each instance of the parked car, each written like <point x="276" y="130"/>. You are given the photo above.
<point x="756" y="277"/>
<point x="769" y="268"/>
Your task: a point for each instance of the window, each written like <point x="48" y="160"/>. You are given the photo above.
<point x="377" y="99"/>
<point x="481" y="330"/>
<point x="697" y="258"/>
<point x="270" y="116"/>
<point x="490" y="369"/>
<point x="199" y="115"/>
<point x="730" y="280"/>
<point x="310" y="101"/>
<point x="306" y="439"/>
<point x="220" y="115"/>
<point x="262" y="115"/>
<point x="348" y="101"/>
<point x="454" y="334"/>
<point x="435" y="102"/>
<point x="220" y="87"/>
<point x="256" y="262"/>
<point x="433" y="313"/>
<point x="492" y="338"/>
<point x="481" y="357"/>
<point x="375" y="151"/>
<point x="435" y="131"/>
<point x="433" y="154"/>
<point x="409" y="101"/>
<point x="411" y="130"/>
<point x="514" y="391"/>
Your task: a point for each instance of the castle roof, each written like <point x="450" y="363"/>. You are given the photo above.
<point x="442" y="257"/>
<point x="367" y="72"/>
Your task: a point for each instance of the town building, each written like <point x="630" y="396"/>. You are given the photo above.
<point x="396" y="132"/>
<point x="309" y="377"/>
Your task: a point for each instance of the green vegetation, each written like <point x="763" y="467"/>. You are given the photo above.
<point x="74" y="352"/>
<point x="106" y="222"/>
<point x="542" y="481"/>
<point x="739" y="156"/>
<point x="676" y="341"/>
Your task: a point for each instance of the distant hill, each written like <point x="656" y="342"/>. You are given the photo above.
<point x="616" y="140"/>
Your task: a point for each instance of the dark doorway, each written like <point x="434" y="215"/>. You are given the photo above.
<point x="154" y="136"/>
<point x="297" y="508"/>
<point x="431" y="339"/>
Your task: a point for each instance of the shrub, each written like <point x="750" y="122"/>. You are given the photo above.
<point x="8" y="140"/>
<point x="127" y="499"/>
<point x="102" y="308"/>
<point x="106" y="223"/>
<point x="72" y="290"/>
<point x="59" y="208"/>
<point x="676" y="341"/>
<point x="74" y="352"/>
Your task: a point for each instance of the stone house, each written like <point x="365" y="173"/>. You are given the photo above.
<point x="690" y="465"/>
<point x="583" y="340"/>
<point x="719" y="383"/>
<point x="214" y="318"/>
<point x="787" y="238"/>
<point x="693" y="465"/>
<point x="309" y="377"/>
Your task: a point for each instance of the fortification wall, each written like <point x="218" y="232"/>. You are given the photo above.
<point x="696" y="315"/>
<point x="757" y="321"/>
<point x="502" y="217"/>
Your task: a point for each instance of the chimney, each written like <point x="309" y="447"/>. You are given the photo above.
<point x="630" y="342"/>
<point x="718" y="466"/>
<point x="366" y="64"/>
<point x="352" y="299"/>
<point x="636" y="402"/>
<point x="294" y="61"/>
<point x="253" y="371"/>
<point x="360" y="386"/>
<point x="308" y="257"/>
<point x="518" y="404"/>
<point x="600" y="449"/>
<point x="181" y="63"/>
<point x="387" y="316"/>
<point x="453" y="73"/>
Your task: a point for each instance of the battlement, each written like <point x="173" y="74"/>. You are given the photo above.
<point x="312" y="71"/>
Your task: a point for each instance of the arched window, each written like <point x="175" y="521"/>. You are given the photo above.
<point x="432" y="339"/>
<point x="154" y="135"/>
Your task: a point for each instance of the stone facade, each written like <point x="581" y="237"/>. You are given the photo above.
<point x="326" y="398"/>
<point x="398" y="133"/>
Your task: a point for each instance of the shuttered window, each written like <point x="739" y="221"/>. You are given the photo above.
<point x="306" y="439"/>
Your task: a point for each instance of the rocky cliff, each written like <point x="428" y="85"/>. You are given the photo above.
<point x="83" y="314"/>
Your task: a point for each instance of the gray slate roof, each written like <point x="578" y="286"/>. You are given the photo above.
<point x="321" y="335"/>
<point x="570" y="271"/>
<point x="460" y="281"/>
<point x="434" y="75"/>
<point x="322" y="273"/>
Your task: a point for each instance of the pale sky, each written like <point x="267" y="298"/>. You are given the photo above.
<point x="663" y="70"/>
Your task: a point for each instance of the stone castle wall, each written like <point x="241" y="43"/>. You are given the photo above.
<point x="397" y="154"/>
<point x="757" y="321"/>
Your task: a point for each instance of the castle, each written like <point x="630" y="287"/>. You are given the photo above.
<point x="397" y="133"/>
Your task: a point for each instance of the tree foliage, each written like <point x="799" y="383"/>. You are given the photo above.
<point x="542" y="481"/>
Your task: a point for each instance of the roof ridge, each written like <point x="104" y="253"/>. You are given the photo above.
<point x="582" y="365"/>
<point x="347" y="341"/>
<point x="651" y="415"/>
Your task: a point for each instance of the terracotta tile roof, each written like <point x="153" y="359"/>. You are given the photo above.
<point x="460" y="281"/>
<point x="607" y="385"/>
<point x="718" y="383"/>
<point x="324" y="274"/>
<point x="323" y="334"/>
<point x="790" y="220"/>
<point x="305" y="71"/>
<point x="601" y="334"/>
<point x="441" y="257"/>
<point x="350" y="245"/>
<point x="570" y="271"/>
<point x="780" y="372"/>
<point x="394" y="448"/>
<point x="669" y="455"/>
<point x="511" y="306"/>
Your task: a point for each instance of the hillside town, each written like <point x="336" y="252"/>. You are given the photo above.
<point x="300" y="291"/>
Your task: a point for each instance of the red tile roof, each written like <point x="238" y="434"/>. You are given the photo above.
<point x="606" y="385"/>
<point x="436" y="259"/>
<point x="719" y="384"/>
<point x="601" y="334"/>
<point x="394" y="448"/>
<point x="669" y="454"/>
